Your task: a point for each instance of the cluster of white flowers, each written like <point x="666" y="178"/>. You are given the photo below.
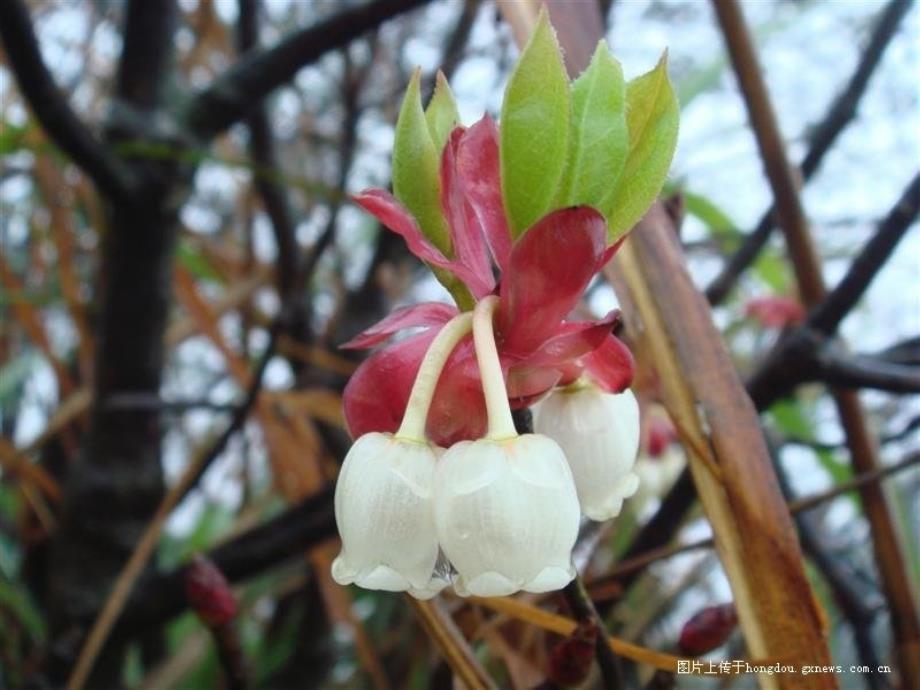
<point x="504" y="510"/>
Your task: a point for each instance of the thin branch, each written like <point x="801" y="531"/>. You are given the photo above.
<point x="904" y="352"/>
<point x="840" y="114"/>
<point x="233" y="94"/>
<point x="838" y="303"/>
<point x="52" y="110"/>
<point x="842" y="370"/>
<point x="262" y="152"/>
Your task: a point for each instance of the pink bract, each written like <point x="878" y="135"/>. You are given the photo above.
<point x="543" y="276"/>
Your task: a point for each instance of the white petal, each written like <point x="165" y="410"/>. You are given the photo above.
<point x="507" y="515"/>
<point x="384" y="514"/>
<point x="599" y="433"/>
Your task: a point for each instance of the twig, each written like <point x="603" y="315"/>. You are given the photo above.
<point x="841" y="300"/>
<point x="445" y="634"/>
<point x="835" y="121"/>
<point x="864" y="457"/>
<point x="112" y="176"/>
<point x="281" y="539"/>
<point x="147" y="543"/>
<point x="842" y="370"/>
<point x="627" y="570"/>
<point x="262" y="152"/>
<point x="232" y="94"/>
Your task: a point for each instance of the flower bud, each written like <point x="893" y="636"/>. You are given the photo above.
<point x="599" y="433"/>
<point x="507" y="515"/>
<point x="383" y="507"/>
<point x="208" y="593"/>
<point x="708" y="629"/>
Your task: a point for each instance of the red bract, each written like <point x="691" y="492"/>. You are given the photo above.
<point x="543" y="276"/>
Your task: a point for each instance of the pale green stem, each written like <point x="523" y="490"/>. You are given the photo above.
<point x="501" y="425"/>
<point x="426" y="381"/>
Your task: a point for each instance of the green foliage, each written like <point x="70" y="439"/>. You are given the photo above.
<point x="441" y="114"/>
<point x="795" y="422"/>
<point x="534" y="129"/>
<point x="599" y="137"/>
<point x="652" y="116"/>
<point x="415" y="167"/>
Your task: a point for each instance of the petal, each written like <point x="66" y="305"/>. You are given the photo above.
<point x="384" y="206"/>
<point x="505" y="512"/>
<point x="479" y="169"/>
<point x="549" y="270"/>
<point x="599" y="433"/>
<point x="611" y="366"/>
<point x="383" y="509"/>
<point x="376" y="394"/>
<point x="465" y="227"/>
<point x="424" y="314"/>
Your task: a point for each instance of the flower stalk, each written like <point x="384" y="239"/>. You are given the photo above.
<point x="501" y="425"/>
<point x="426" y="381"/>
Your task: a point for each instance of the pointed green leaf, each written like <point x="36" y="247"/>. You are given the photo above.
<point x="599" y="138"/>
<point x="416" y="168"/>
<point x="534" y="129"/>
<point x="652" y="118"/>
<point x="441" y="115"/>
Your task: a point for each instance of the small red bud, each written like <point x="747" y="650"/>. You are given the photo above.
<point x="661" y="434"/>
<point x="708" y="629"/>
<point x="570" y="661"/>
<point x="775" y="312"/>
<point x="208" y="592"/>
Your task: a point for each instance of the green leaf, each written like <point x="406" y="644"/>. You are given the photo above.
<point x="415" y="168"/>
<point x="720" y="226"/>
<point x="441" y="115"/>
<point x="534" y="129"/>
<point x="599" y="138"/>
<point x="652" y="117"/>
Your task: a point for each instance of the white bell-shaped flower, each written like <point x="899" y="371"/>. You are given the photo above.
<point x="599" y="433"/>
<point x="507" y="515"/>
<point x="383" y="507"/>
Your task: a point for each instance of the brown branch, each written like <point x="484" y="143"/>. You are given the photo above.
<point x="791" y="216"/>
<point x="64" y="127"/>
<point x="233" y="94"/>
<point x="840" y="114"/>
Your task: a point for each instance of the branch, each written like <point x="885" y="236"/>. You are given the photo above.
<point x="841" y="112"/>
<point x="842" y="370"/>
<point x="262" y="152"/>
<point x="827" y="316"/>
<point x="905" y="352"/>
<point x="148" y="42"/>
<point x="233" y="94"/>
<point x="283" y="538"/>
<point x="114" y="179"/>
